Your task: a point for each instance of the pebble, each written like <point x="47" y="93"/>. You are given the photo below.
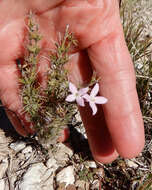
<point x="51" y="163"/>
<point x="17" y="146"/>
<point x="32" y="178"/>
<point x="131" y="164"/>
<point x="90" y="164"/>
<point x="62" y="154"/>
<point x="100" y="172"/>
<point x="27" y="152"/>
<point x="66" y="176"/>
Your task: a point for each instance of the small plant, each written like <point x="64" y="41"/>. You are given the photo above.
<point x="86" y="174"/>
<point x="48" y="111"/>
<point x="52" y="109"/>
<point x="83" y="170"/>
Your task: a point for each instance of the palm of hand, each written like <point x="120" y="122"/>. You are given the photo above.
<point x="97" y="27"/>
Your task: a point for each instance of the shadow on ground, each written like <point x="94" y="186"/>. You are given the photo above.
<point x="6" y="125"/>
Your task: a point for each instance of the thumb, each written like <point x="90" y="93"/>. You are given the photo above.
<point x="11" y="38"/>
<point x="9" y="95"/>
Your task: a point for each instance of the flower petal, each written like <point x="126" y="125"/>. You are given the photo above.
<point x="100" y="100"/>
<point x="87" y="97"/>
<point x="83" y="91"/>
<point x="93" y="107"/>
<point x="95" y="90"/>
<point x="70" y="98"/>
<point x="80" y="101"/>
<point x="73" y="88"/>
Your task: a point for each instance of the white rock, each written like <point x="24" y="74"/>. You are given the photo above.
<point x="17" y="146"/>
<point x="32" y="178"/>
<point x="131" y="164"/>
<point x="48" y="179"/>
<point x="26" y="150"/>
<point x="100" y="172"/>
<point x="21" y="156"/>
<point x="51" y="163"/>
<point x="62" y="154"/>
<point x="91" y="164"/>
<point x="2" y="184"/>
<point x="66" y="176"/>
<point x="37" y="177"/>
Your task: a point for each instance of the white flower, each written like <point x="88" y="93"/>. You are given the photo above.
<point x="93" y="99"/>
<point x="76" y="95"/>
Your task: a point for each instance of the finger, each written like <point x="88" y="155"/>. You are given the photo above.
<point x="79" y="69"/>
<point x="12" y="36"/>
<point x="98" y="136"/>
<point x="9" y="94"/>
<point x="111" y="59"/>
<point x="47" y="44"/>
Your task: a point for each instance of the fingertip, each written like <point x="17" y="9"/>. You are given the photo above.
<point x="132" y="149"/>
<point x="128" y="134"/>
<point x="106" y="159"/>
<point x="99" y="138"/>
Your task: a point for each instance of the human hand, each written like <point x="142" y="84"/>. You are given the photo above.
<point x="117" y="128"/>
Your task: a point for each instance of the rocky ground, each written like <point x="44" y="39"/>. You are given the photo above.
<point x="26" y="165"/>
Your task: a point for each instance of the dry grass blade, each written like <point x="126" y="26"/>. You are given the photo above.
<point x="147" y="185"/>
<point x="140" y="51"/>
<point x="133" y="29"/>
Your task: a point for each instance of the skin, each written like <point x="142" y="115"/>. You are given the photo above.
<point x="117" y="128"/>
